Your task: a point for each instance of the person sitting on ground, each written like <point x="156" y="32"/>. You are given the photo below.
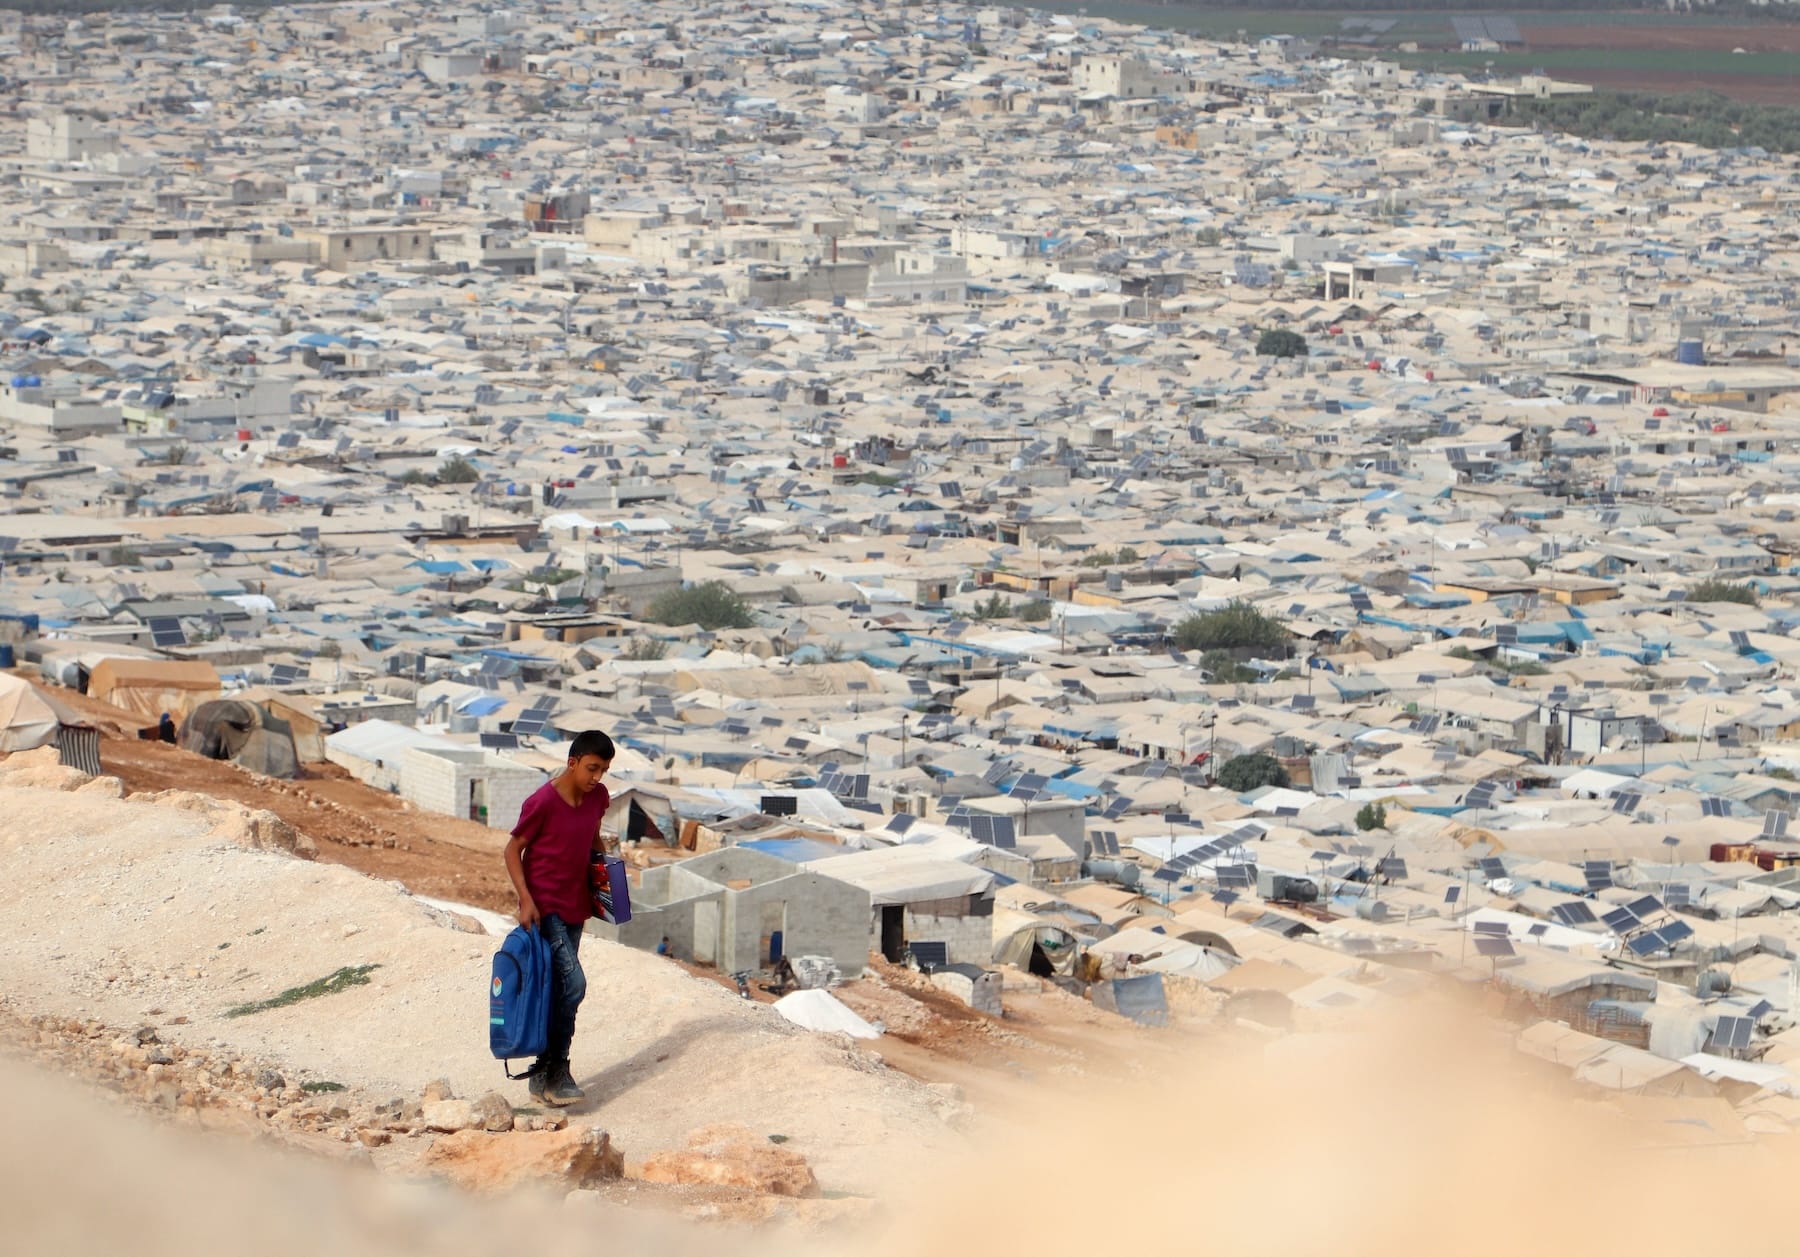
<point x="165" y="728"/>
<point x="662" y="948"/>
<point x="547" y="858"/>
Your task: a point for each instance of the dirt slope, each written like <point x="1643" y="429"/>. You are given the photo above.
<point x="127" y="911"/>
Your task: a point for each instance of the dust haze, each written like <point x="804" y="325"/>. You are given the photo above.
<point x="1415" y="1133"/>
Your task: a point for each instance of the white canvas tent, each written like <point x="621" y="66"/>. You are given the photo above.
<point x="27" y="718"/>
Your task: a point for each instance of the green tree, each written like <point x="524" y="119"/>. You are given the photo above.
<point x="1245" y="773"/>
<point x="997" y="607"/>
<point x="1280" y="343"/>
<point x="1372" y="816"/>
<point x="644" y="650"/>
<point x="1715" y="590"/>
<point x="1235" y="626"/>
<point x="711" y="605"/>
<point x="1035" y="612"/>
<point x="1227" y="671"/>
<point x="457" y="470"/>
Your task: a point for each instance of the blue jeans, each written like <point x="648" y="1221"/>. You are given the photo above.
<point x="568" y="986"/>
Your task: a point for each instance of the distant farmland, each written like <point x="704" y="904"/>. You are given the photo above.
<point x="1642" y="51"/>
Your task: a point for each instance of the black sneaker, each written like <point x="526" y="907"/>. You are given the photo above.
<point x="562" y="1090"/>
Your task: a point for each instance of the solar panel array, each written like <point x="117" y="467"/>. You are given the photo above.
<point x="995" y="831"/>
<point x="166" y="632"/>
<point x="1573" y="914"/>
<point x="1732" y="1034"/>
<point x="846" y="785"/>
<point x="530" y="722"/>
<point x="1775" y="825"/>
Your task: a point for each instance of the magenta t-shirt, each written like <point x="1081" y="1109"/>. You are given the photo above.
<point x="560" y="840"/>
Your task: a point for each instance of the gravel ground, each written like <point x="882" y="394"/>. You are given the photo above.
<point x="130" y="912"/>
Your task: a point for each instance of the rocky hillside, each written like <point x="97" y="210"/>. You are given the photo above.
<point x="189" y="952"/>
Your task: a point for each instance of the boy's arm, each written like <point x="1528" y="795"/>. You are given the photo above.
<point x="515" y="868"/>
<point x="522" y="835"/>
<point x="601" y="846"/>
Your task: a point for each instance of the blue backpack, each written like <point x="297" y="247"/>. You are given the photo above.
<point x="519" y="997"/>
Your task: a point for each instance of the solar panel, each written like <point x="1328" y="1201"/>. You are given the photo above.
<point x="283" y="674"/>
<point x="1645" y="945"/>
<point x="1491" y="867"/>
<point x="1238" y="876"/>
<point x="1626" y="802"/>
<point x="1574" y="913"/>
<point x="1427" y="725"/>
<point x="1226" y="897"/>
<point x="1598" y="873"/>
<point x="1621" y="920"/>
<point x="1680" y="895"/>
<point x="1645" y="907"/>
<point x="1491" y="927"/>
<point x="527" y="727"/>
<point x="1167" y="874"/>
<point x="1733" y="1033"/>
<point x="1361" y="602"/>
<point x="1712" y="805"/>
<point x="1775" y="825"/>
<point x="1452" y="894"/>
<point x="499" y="742"/>
<point x="929" y="955"/>
<point x="166" y="631"/>
<point x="1538" y="930"/>
<point x="1675" y="931"/>
<point x="1493" y="946"/>
<point x="1392" y="867"/>
<point x="901" y="822"/>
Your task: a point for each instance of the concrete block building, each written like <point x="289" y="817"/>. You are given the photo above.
<point x="476" y="784"/>
<point x="739" y="910"/>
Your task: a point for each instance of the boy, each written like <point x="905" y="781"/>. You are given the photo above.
<point x="547" y="858"/>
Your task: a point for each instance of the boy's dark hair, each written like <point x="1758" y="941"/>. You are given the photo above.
<point x="591" y="742"/>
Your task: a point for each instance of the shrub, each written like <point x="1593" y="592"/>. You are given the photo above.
<point x="1372" y="816"/>
<point x="457" y="470"/>
<point x="1281" y="343"/>
<point x="1225" y="670"/>
<point x="998" y="607"/>
<point x="1250" y="772"/>
<point x="1235" y="626"/>
<point x="644" y="650"/>
<point x="711" y="605"/>
<point x="1715" y="590"/>
<point x="1035" y="612"/>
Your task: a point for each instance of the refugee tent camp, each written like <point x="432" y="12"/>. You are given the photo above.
<point x="150" y="687"/>
<point x="244" y="733"/>
<point x="30" y="718"/>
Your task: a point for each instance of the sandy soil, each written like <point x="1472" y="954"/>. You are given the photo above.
<point x="130" y="912"/>
<point x="1757" y="89"/>
<point x="369" y="830"/>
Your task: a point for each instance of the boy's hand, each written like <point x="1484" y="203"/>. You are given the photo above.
<point x="528" y="913"/>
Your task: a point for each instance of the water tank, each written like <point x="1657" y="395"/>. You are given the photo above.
<point x="34" y="381"/>
<point x="462" y="722"/>
<point x="18" y="381"/>
<point x="1713" y="982"/>
<point x="1118" y="872"/>
<point x="6" y="655"/>
<point x="1690" y="353"/>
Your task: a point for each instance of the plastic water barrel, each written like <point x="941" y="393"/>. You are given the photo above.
<point x="6" y="654"/>
<point x="1690" y="353"/>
